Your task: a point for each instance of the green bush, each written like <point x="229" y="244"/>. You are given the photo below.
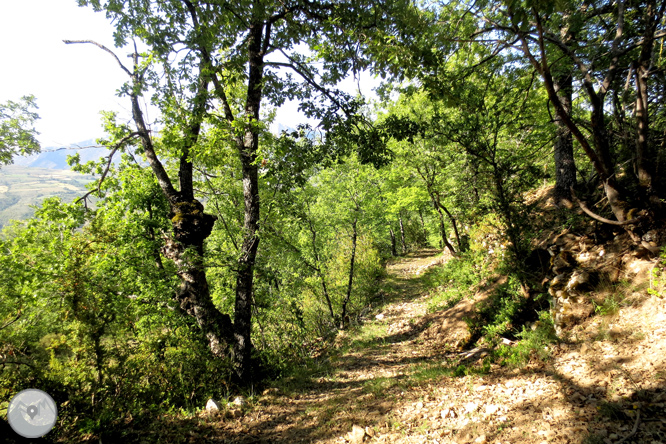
<point x="450" y="283"/>
<point x="533" y="342"/>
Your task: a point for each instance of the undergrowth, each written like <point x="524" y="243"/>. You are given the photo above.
<point x="534" y="342"/>
<point x="453" y="281"/>
<point x="658" y="277"/>
<point x="505" y="314"/>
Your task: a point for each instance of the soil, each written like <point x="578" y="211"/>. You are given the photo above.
<point x="401" y="377"/>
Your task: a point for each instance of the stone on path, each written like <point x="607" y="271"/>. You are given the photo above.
<point x="357" y="435"/>
<point x="212" y="406"/>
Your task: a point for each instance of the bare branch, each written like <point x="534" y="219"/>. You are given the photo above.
<point x="634" y="429"/>
<point x="115" y="148"/>
<point x="309" y="80"/>
<point x="600" y="218"/>
<point x="99" y="45"/>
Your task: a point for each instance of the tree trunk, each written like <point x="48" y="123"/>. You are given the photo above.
<point x="248" y="251"/>
<point x="320" y="273"/>
<point x="245" y="273"/>
<point x="644" y="157"/>
<point x="455" y="227"/>
<point x="445" y="240"/>
<point x="344" y="316"/>
<point x="438" y="206"/>
<point x="599" y="150"/>
<point x="565" y="167"/>
<point x="191" y="226"/>
<point x="423" y="227"/>
<point x="402" y="234"/>
<point x="643" y="166"/>
<point x="394" y="253"/>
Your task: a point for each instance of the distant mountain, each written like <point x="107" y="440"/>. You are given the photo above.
<point x="53" y="158"/>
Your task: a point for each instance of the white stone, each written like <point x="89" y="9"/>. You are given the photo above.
<point x="491" y="409"/>
<point x="239" y="401"/>
<point x="471" y="407"/>
<point x="357" y="435"/>
<point x="212" y="406"/>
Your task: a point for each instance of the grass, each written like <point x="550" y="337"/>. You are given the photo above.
<point x="424" y="373"/>
<point x="612" y="297"/>
<point x="609" y="305"/>
<point x="612" y="411"/>
<point x="450" y="283"/>
<point x="379" y="387"/>
<point x="370" y="335"/>
<point x="658" y="277"/>
<point x="428" y="372"/>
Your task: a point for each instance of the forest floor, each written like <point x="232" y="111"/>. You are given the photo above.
<point x="401" y="377"/>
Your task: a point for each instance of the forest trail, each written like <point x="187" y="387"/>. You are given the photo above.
<point x="401" y="377"/>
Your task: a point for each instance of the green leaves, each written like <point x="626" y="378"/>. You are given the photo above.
<point x="17" y="129"/>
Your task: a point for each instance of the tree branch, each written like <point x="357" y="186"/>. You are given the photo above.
<point x="106" y="169"/>
<point x="18" y="316"/>
<point x="634" y="429"/>
<point x="219" y="89"/>
<point x="143" y="132"/>
<point x="99" y="45"/>
<point x="309" y="80"/>
<point x="600" y="218"/>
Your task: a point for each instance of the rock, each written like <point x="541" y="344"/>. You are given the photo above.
<point x="481" y="439"/>
<point x="447" y="413"/>
<point x="239" y="401"/>
<point x="563" y="262"/>
<point x="580" y="280"/>
<point x="651" y="236"/>
<point x="379" y="317"/>
<point x="491" y="409"/>
<point x="212" y="406"/>
<point x="357" y="435"/>
<point x="370" y="432"/>
<point x="471" y="407"/>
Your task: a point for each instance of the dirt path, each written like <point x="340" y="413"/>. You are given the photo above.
<point x="401" y="379"/>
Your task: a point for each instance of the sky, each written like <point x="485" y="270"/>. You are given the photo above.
<point x="71" y="83"/>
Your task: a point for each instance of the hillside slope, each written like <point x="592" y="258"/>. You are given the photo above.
<point x="22" y="188"/>
<point x="31" y="179"/>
